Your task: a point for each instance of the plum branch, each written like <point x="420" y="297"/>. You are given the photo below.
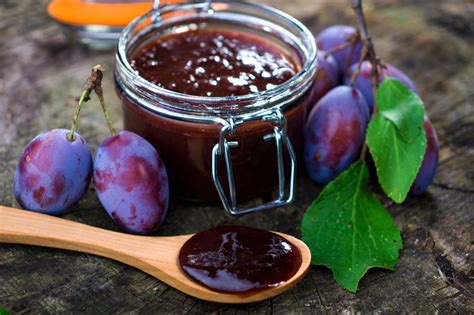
<point x="369" y="48"/>
<point x="369" y="53"/>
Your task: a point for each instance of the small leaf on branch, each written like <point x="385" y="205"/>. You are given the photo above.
<point x="397" y="162"/>
<point x="349" y="231"/>
<point x="402" y="107"/>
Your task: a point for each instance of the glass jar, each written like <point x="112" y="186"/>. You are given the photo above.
<point x="232" y="148"/>
<point x="97" y="23"/>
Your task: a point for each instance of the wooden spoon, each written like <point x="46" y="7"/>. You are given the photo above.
<point x="157" y="256"/>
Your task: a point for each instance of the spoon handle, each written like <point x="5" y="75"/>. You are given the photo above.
<point x="25" y="227"/>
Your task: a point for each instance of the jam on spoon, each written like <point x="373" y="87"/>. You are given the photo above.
<point x="238" y="259"/>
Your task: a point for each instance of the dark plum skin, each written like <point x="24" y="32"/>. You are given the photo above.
<point x="430" y="161"/>
<point x="327" y="75"/>
<point x="52" y="173"/>
<point x="131" y="182"/>
<point x="364" y="84"/>
<point x="338" y="35"/>
<point x="335" y="133"/>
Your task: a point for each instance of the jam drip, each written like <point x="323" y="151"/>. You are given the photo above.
<point x="239" y="259"/>
<point x="215" y="62"/>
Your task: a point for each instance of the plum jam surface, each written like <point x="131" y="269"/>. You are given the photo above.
<point x="214" y="63"/>
<point x="239" y="259"/>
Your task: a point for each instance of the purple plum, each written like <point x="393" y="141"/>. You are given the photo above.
<point x="335" y="133"/>
<point x="327" y="75"/>
<point x="430" y="161"/>
<point x="131" y="182"/>
<point x="363" y="82"/>
<point x="338" y="35"/>
<point x="52" y="173"/>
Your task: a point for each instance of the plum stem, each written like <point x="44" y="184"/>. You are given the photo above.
<point x="93" y="83"/>
<point x="371" y="55"/>
<point x="96" y="85"/>
<point x="337" y="48"/>
<point x="351" y="41"/>
<point x="359" y="65"/>
<point x="84" y="98"/>
<point x="106" y="113"/>
<point x="100" y="94"/>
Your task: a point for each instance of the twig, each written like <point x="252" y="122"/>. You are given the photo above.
<point x="371" y="56"/>
<point x="364" y="33"/>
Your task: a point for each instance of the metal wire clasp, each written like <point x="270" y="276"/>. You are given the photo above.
<point x="222" y="148"/>
<point x="207" y="7"/>
<point x="156" y="17"/>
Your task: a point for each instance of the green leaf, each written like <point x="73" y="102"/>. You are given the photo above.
<point x="349" y="231"/>
<point x="402" y="107"/>
<point x="4" y="311"/>
<point x="397" y="162"/>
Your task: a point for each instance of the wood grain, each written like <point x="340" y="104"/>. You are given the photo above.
<point x="42" y="71"/>
<point x="157" y="256"/>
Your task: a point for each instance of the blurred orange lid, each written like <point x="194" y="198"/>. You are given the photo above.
<point x="105" y="12"/>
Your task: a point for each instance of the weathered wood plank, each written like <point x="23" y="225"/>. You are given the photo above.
<point x="42" y="72"/>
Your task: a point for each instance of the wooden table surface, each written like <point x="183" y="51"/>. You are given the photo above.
<point x="42" y="72"/>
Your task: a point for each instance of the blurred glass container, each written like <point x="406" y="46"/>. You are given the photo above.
<point x="98" y="23"/>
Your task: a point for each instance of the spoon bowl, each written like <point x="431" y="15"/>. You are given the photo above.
<point x="157" y="256"/>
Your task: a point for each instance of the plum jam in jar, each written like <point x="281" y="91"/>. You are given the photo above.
<point x="221" y="90"/>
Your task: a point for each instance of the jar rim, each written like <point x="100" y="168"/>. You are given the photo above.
<point x="308" y="67"/>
